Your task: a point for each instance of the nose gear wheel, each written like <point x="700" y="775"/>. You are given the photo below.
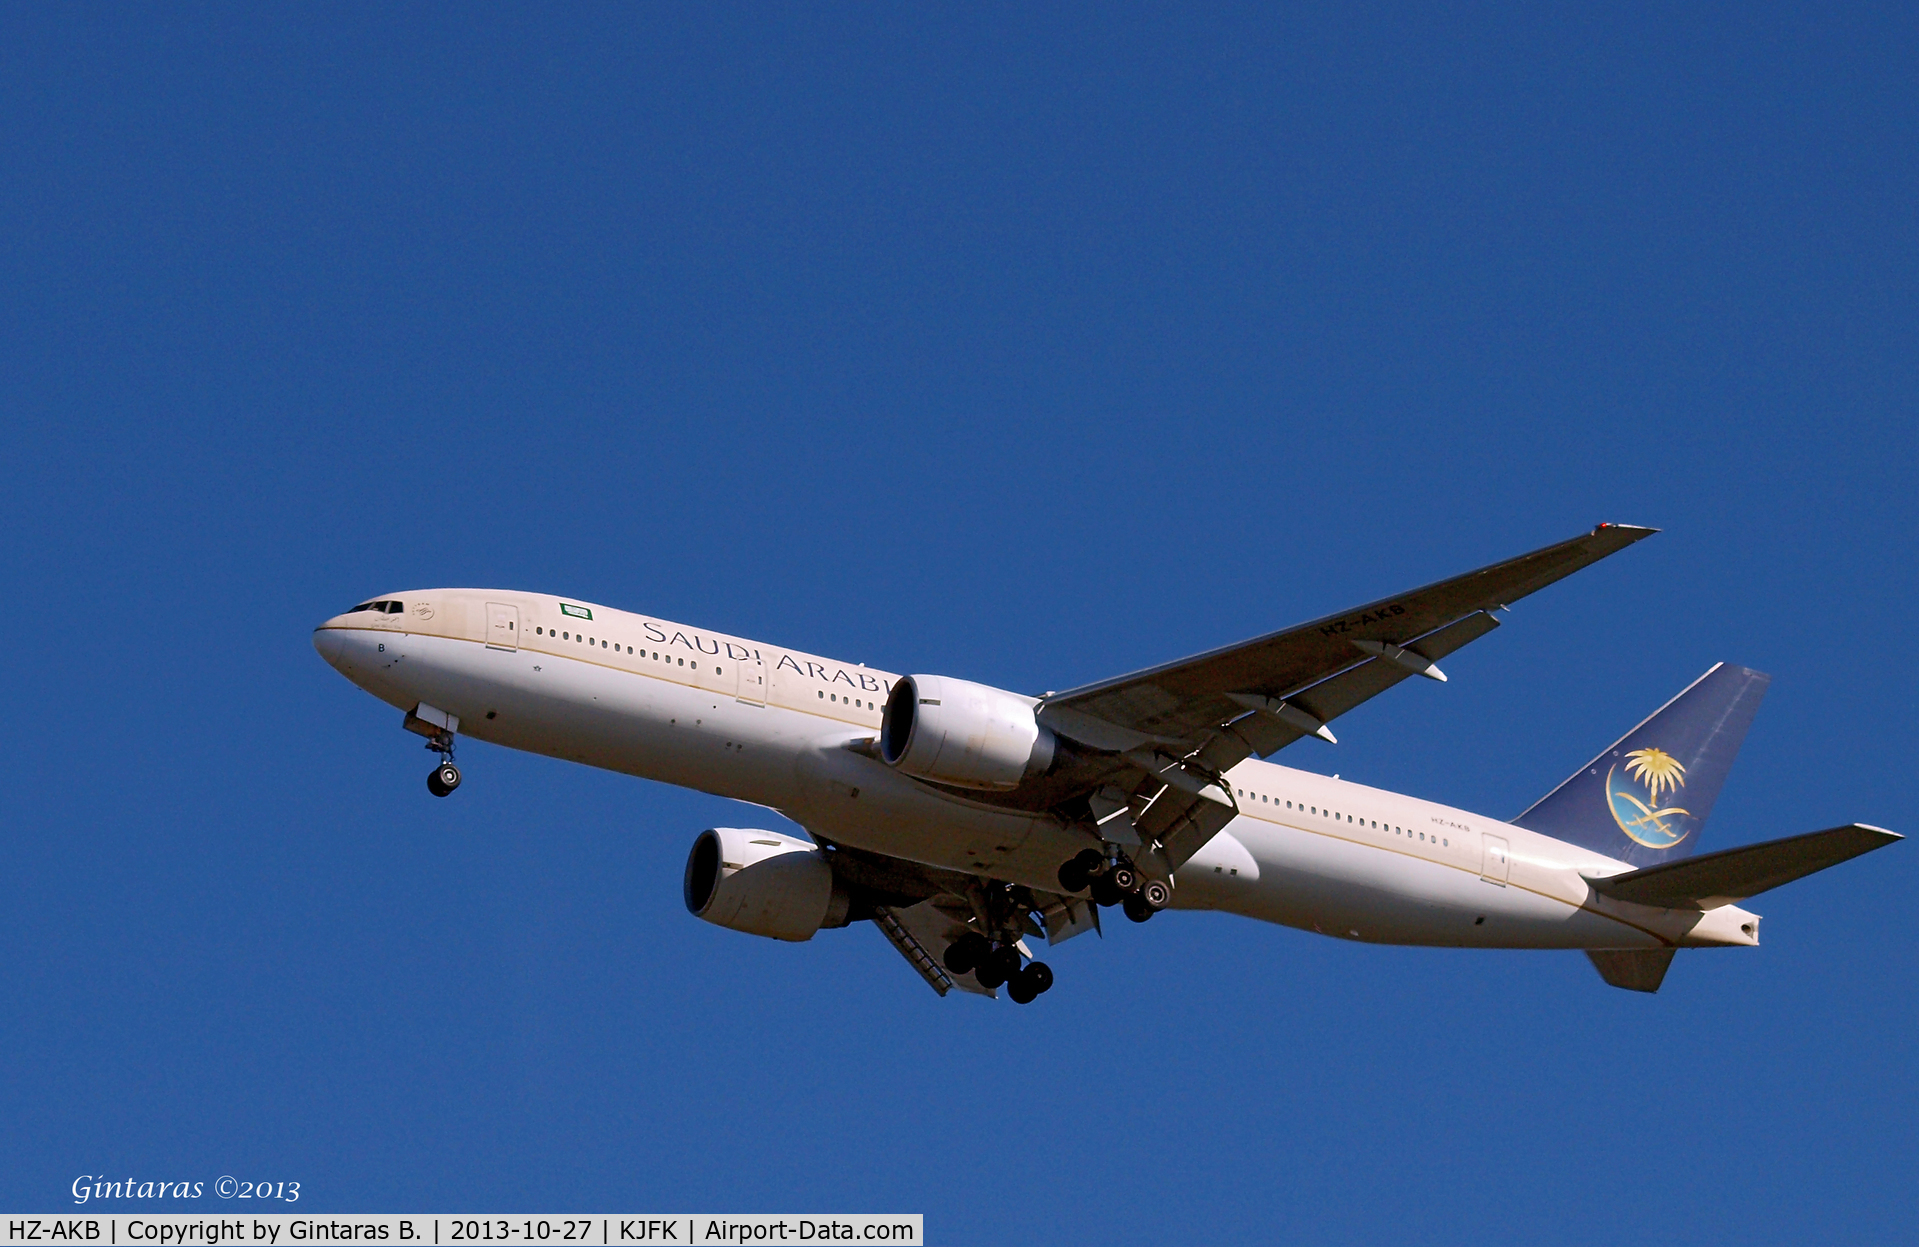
<point x="445" y="777"/>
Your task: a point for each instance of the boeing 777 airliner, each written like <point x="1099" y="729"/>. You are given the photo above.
<point x="963" y="820"/>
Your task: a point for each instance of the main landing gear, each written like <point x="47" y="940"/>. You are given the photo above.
<point x="996" y="964"/>
<point x="1115" y="881"/>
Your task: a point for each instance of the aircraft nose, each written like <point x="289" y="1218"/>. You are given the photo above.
<point x="330" y="642"/>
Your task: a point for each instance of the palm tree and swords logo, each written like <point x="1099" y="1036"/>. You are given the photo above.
<point x="1655" y="773"/>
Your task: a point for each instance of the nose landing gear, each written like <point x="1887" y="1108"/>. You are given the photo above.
<point x="439" y="728"/>
<point x="443" y="778"/>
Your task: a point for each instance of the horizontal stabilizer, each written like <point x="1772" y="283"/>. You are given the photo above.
<point x="1635" y="969"/>
<point x="1732" y="875"/>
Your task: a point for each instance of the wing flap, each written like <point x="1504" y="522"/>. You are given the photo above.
<point x="1732" y="875"/>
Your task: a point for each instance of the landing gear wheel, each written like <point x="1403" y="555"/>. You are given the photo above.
<point x="1030" y="984"/>
<point x="998" y="966"/>
<point x="444" y="779"/>
<point x="1072" y="877"/>
<point x="1136" y="908"/>
<point x="1125" y="878"/>
<point x="1104" y="893"/>
<point x="1092" y="861"/>
<point x="965" y="953"/>
<point x="1156" y="893"/>
<point x="1040" y="975"/>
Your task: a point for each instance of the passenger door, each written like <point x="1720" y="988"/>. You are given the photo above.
<point x="1499" y="863"/>
<point x="750" y="686"/>
<point x="502" y="626"/>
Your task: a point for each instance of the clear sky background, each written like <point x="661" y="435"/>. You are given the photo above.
<point x="1025" y="347"/>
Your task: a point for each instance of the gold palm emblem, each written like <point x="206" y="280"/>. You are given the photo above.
<point x="1657" y="770"/>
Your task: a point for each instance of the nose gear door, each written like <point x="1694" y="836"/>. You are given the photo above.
<point x="502" y="626"/>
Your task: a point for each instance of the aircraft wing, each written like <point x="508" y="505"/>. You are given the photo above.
<point x="1156" y="743"/>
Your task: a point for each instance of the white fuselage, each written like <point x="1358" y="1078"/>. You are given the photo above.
<point x="756" y="723"/>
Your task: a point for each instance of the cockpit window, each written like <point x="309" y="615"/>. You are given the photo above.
<point x="383" y="607"/>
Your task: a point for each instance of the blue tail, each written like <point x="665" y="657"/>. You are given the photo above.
<point x="1645" y="799"/>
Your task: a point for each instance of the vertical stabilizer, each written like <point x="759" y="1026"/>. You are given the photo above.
<point x="1645" y="799"/>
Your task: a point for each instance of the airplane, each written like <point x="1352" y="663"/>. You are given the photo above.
<point x="964" y="821"/>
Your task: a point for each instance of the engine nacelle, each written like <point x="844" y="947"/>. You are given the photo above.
<point x="763" y="883"/>
<point x="965" y="734"/>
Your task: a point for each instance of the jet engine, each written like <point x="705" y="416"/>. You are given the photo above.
<point x="763" y="883"/>
<point x="965" y="734"/>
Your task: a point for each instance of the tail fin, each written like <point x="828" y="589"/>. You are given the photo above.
<point x="1645" y="799"/>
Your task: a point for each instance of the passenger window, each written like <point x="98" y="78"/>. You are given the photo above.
<point x="566" y="636"/>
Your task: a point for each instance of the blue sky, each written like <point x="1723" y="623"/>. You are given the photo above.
<point x="1024" y="347"/>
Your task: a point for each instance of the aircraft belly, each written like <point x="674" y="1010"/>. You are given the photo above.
<point x="658" y="729"/>
<point x="583" y="712"/>
<point x="858" y="801"/>
<point x="1358" y="891"/>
